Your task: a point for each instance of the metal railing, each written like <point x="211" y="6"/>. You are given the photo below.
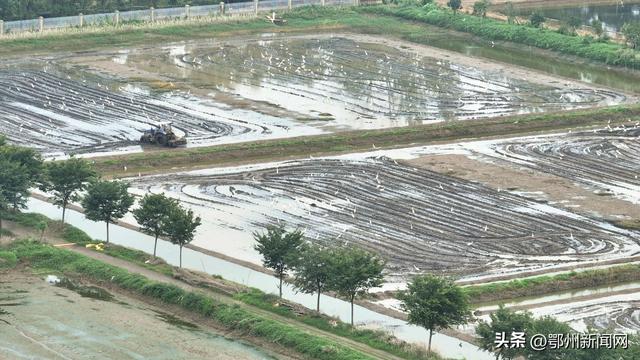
<point x="151" y="15"/>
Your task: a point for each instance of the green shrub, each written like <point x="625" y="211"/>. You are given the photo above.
<point x="586" y="47"/>
<point x="7" y="260"/>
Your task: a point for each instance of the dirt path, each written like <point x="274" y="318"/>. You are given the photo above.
<point x="150" y="274"/>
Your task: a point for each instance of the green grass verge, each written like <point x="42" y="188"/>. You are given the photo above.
<point x="586" y="47"/>
<point x="376" y="339"/>
<point x="44" y="257"/>
<point x="541" y="285"/>
<point x="74" y="235"/>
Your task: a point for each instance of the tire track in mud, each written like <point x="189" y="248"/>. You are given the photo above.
<point x="420" y="220"/>
<point x="364" y="81"/>
<point x="605" y="314"/>
<point x="51" y="113"/>
<point x="605" y="159"/>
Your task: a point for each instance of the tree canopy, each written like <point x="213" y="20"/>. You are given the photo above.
<point x="65" y="179"/>
<point x="153" y="214"/>
<point x="107" y="201"/>
<point x="313" y="272"/>
<point x="280" y="250"/>
<point x="180" y="227"/>
<point x="434" y="303"/>
<point x="355" y="272"/>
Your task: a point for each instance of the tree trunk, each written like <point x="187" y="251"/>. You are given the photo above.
<point x="352" y="300"/>
<point x="155" y="245"/>
<point x="0" y="226"/>
<point x="107" y="232"/>
<point x="181" y="256"/>
<point x="318" y="302"/>
<point x="280" y="286"/>
<point x="430" y="335"/>
<point x="64" y="210"/>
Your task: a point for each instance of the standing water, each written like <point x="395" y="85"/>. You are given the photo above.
<point x="447" y="346"/>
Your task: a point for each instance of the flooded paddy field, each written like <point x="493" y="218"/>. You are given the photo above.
<point x="57" y="113"/>
<point x="351" y="81"/>
<point x="420" y="220"/>
<point x="268" y="86"/>
<point x="604" y="161"/>
<point x="39" y="320"/>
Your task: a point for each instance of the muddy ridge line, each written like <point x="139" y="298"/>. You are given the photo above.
<point x="175" y="160"/>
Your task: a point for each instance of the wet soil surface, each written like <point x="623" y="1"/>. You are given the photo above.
<point x="263" y="87"/>
<point x="420" y="220"/>
<point x="602" y="160"/>
<point x="45" y="321"/>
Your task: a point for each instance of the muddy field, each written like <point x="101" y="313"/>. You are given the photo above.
<point x="266" y="87"/>
<point x="419" y="220"/>
<point x="42" y="321"/>
<point x="57" y="113"/>
<point x="604" y="161"/>
<point x="351" y="83"/>
<point x="619" y="313"/>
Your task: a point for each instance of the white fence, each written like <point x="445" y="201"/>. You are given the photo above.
<point x="150" y="15"/>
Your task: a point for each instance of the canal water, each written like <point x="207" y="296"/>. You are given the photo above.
<point x="447" y="346"/>
<point x="613" y="17"/>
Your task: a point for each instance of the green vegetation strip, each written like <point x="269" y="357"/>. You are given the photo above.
<point x="542" y="285"/>
<point x="586" y="47"/>
<point x="376" y="339"/>
<point x="359" y="140"/>
<point x="74" y="235"/>
<point x="42" y="257"/>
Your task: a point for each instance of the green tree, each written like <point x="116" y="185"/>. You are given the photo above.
<point x="64" y="179"/>
<point x="355" y="271"/>
<point x="455" y="5"/>
<point x="153" y="213"/>
<point x="107" y="201"/>
<point x="314" y="270"/>
<point x="536" y="19"/>
<point x="280" y="250"/>
<point x="631" y="32"/>
<point x="481" y="7"/>
<point x="434" y="303"/>
<point x="180" y="227"/>
<point x="503" y="321"/>
<point x="4" y="206"/>
<point x="21" y="170"/>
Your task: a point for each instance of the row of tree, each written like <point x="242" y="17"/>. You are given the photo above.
<point x="73" y="180"/>
<point x="30" y="9"/>
<point x="431" y="302"/>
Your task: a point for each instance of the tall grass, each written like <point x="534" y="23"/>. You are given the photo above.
<point x="586" y="47"/>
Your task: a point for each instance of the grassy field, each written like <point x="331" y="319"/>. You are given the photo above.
<point x="260" y="151"/>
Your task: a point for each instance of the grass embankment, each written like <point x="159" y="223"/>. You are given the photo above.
<point x="74" y="235"/>
<point x="235" y="318"/>
<point x="586" y="47"/>
<point x="542" y="285"/>
<point x="376" y="339"/>
<point x="333" y="144"/>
